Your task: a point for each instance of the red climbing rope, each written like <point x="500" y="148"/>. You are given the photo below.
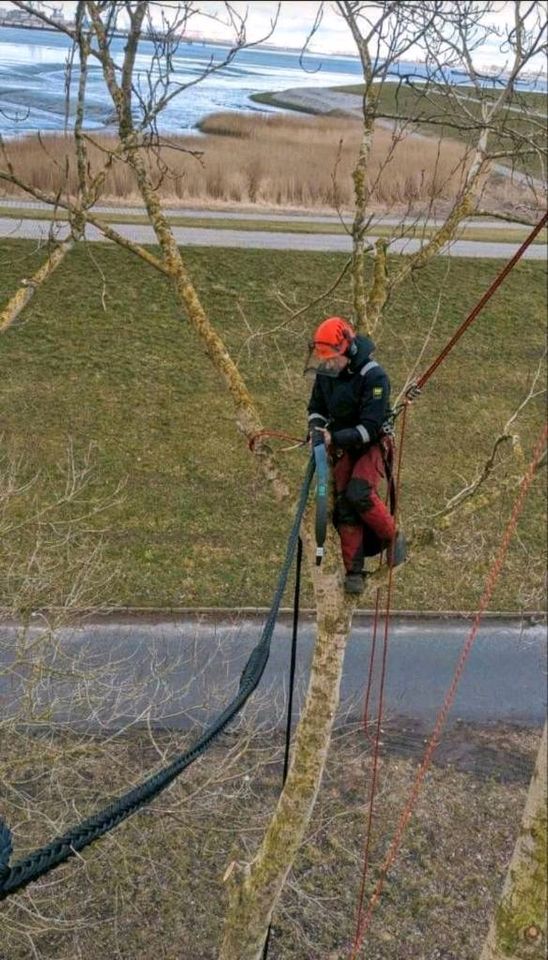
<point x="391" y="497"/>
<point x="361" y="922"/>
<point x="380" y="709"/>
<point x="490" y="584"/>
<point x="277" y="434"/>
<point x="371" y="669"/>
<point x="481" y="303"/>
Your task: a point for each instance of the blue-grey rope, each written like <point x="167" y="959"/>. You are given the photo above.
<point x="322" y="480"/>
<point x="60" y="849"/>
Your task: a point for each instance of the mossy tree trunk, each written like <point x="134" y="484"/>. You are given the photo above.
<point x="22" y="297"/>
<point x="254" y="888"/>
<point x="173" y="264"/>
<point x="518" y="929"/>
<point x="247" y="416"/>
<point x="359" y="225"/>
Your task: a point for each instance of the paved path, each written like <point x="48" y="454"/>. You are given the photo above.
<point x="523" y="109"/>
<point x="197" y="214"/>
<point x="180" y="673"/>
<point x="209" y="237"/>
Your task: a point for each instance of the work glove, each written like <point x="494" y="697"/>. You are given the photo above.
<point x="317" y="436"/>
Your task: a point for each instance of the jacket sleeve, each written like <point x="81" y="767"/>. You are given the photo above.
<point x="373" y="411"/>
<point x="318" y="415"/>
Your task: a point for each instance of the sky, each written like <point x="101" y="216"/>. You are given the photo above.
<point x="296" y="20"/>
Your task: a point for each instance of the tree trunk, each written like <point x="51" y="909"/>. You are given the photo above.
<point x="361" y="196"/>
<point x="518" y="929"/>
<point x="17" y="303"/>
<point x="255" y="888"/>
<point x="247" y="417"/>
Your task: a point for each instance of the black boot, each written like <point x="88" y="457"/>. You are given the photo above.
<point x="354" y="583"/>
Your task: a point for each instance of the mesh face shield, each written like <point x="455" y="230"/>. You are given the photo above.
<point x="326" y="359"/>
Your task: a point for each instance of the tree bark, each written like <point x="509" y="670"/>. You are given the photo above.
<point x="247" y="417"/>
<point x="518" y="929"/>
<point x="464" y="207"/>
<point x="17" y="303"/>
<point x="255" y="888"/>
<point x="361" y="195"/>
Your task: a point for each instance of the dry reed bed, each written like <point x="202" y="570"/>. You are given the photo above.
<point x="276" y="160"/>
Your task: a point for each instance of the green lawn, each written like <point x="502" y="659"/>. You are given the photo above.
<point x="194" y="524"/>
<point x="437" y="114"/>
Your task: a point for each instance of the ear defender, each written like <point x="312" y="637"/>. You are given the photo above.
<point x="353" y="348"/>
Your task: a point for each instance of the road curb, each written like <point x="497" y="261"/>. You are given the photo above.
<point x="237" y="614"/>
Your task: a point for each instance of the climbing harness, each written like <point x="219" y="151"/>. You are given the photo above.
<point x="59" y="850"/>
<point x="412" y="393"/>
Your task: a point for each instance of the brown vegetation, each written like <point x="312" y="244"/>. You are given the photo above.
<point x="153" y="888"/>
<point x="276" y="160"/>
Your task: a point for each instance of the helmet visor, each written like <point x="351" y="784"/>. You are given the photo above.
<point x="325" y="359"/>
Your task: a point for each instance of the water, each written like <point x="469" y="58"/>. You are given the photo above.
<point x="32" y="80"/>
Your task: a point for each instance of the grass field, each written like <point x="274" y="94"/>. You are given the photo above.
<point x="193" y="524"/>
<point x="524" y="116"/>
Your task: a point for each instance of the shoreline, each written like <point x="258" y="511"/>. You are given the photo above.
<point x="509" y="191"/>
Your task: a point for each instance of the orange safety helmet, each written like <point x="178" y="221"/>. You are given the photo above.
<point x="332" y="340"/>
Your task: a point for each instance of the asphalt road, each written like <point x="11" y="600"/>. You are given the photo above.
<point x="209" y="237"/>
<point x="197" y="213"/>
<point x="180" y="673"/>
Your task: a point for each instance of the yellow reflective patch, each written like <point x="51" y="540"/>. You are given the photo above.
<point x="377" y="391"/>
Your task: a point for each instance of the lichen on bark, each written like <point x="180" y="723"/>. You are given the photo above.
<point x="518" y="930"/>
<point x="520" y="919"/>
<point x="22" y="297"/>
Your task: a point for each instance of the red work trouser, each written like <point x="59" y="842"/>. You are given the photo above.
<point x="364" y="523"/>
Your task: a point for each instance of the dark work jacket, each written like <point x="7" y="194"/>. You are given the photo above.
<point x="355" y="404"/>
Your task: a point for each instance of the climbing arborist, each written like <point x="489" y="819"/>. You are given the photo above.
<point x="348" y="411"/>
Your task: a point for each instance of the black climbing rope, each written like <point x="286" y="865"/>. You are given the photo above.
<point x="293" y="662"/>
<point x="46" y="858"/>
<point x="291" y="690"/>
